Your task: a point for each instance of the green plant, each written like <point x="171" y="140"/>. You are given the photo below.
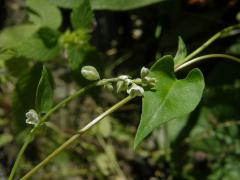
<point x="164" y="96"/>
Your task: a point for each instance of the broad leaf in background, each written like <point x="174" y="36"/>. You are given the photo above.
<point x="181" y="52"/>
<point x="44" y="96"/>
<point x="24" y="95"/>
<point x="121" y="4"/>
<point x="42" y="46"/>
<point x="82" y="16"/>
<point x="44" y="13"/>
<point x="107" y="4"/>
<point x="17" y="66"/>
<point x="66" y="3"/>
<point x="171" y="98"/>
<point x="11" y="36"/>
<point x="48" y="36"/>
<point x="5" y="54"/>
<point x="34" y="48"/>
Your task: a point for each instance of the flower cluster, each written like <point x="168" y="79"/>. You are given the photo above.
<point x="79" y="37"/>
<point x="134" y="87"/>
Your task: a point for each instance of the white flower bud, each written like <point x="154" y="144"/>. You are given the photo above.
<point x="150" y="79"/>
<point x="90" y="73"/>
<point x="135" y="90"/>
<point x="121" y="86"/>
<point x="126" y="79"/>
<point x="123" y="77"/>
<point x="32" y="117"/>
<point x="144" y="72"/>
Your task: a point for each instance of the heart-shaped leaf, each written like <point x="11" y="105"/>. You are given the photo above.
<point x="44" y="96"/>
<point x="171" y="98"/>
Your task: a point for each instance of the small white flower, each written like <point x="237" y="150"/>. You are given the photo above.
<point x="150" y="79"/>
<point x="121" y="86"/>
<point x="144" y="72"/>
<point x="32" y="117"/>
<point x="135" y="90"/>
<point x="90" y="73"/>
<point x="126" y="79"/>
<point x="123" y="77"/>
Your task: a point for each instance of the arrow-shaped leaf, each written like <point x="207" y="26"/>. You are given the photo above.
<point x="171" y="98"/>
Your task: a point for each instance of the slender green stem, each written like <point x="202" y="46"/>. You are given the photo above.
<point x="225" y="32"/>
<point x="44" y="118"/>
<point x="65" y="101"/>
<point x="76" y="136"/>
<point x="19" y="156"/>
<point x="208" y="56"/>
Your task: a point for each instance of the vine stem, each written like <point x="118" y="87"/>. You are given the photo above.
<point x="208" y="56"/>
<point x="222" y="33"/>
<point x="76" y="136"/>
<point x="19" y="156"/>
<point x="33" y="132"/>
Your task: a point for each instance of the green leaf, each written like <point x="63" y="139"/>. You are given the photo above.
<point x="181" y="52"/>
<point x="35" y="48"/>
<point x="44" y="96"/>
<point x="41" y="45"/>
<point x="24" y="95"/>
<point x="11" y="36"/>
<point x="48" y="36"/>
<point x="172" y="98"/>
<point x="121" y="4"/>
<point x="17" y="66"/>
<point x="43" y="13"/>
<point x="107" y="4"/>
<point x="66" y="3"/>
<point x="82" y="16"/>
<point x="5" y="54"/>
